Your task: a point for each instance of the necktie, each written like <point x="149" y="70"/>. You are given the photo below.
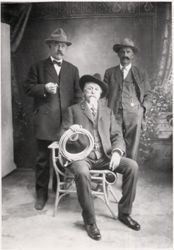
<point x="58" y="63"/>
<point x="93" y="111"/>
<point x="123" y="72"/>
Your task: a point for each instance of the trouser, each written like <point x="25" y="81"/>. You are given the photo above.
<point x="42" y="168"/>
<point x="131" y="124"/>
<point x="128" y="168"/>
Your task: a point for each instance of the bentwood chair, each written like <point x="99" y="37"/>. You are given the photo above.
<point x="102" y="179"/>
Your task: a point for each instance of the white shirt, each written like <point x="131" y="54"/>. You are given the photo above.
<point x="125" y="70"/>
<point x="57" y="67"/>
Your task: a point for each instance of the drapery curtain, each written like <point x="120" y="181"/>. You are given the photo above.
<point x="165" y="67"/>
<point x="17" y="31"/>
<point x="160" y="117"/>
<point x="18" y="28"/>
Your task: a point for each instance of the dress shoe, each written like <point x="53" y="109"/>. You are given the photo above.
<point x="40" y="203"/>
<point x="128" y="221"/>
<point x="93" y="231"/>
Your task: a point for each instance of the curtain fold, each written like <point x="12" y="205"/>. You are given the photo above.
<point x="165" y="67"/>
<point x="160" y="117"/>
<point x="19" y="26"/>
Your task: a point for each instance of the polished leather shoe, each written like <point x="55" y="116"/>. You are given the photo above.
<point x="93" y="231"/>
<point x="128" y="221"/>
<point x="40" y="203"/>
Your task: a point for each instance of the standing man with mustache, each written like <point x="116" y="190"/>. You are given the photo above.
<point x="129" y="96"/>
<point x="54" y="85"/>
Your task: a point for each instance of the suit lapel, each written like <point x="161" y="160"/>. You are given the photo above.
<point x="86" y="111"/>
<point x="102" y="112"/>
<point x="137" y="80"/>
<point x="135" y="75"/>
<point x="51" y="74"/>
<point x="118" y="75"/>
<point x="63" y="72"/>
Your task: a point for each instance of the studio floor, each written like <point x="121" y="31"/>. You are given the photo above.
<point x="25" y="228"/>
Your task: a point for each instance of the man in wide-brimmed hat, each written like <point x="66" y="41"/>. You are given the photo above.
<point x="108" y="152"/>
<point x="129" y="95"/>
<point x="54" y="85"/>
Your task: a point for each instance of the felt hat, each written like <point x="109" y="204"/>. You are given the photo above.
<point x="58" y="36"/>
<point x="125" y="43"/>
<point x="96" y="78"/>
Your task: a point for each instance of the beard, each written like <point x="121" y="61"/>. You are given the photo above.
<point x="93" y="101"/>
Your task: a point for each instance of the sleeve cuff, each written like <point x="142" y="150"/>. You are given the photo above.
<point x="45" y="92"/>
<point x="119" y="151"/>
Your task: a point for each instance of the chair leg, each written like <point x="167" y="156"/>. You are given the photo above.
<point x="110" y="189"/>
<point x="61" y="192"/>
<point x="56" y="202"/>
<point x="105" y="190"/>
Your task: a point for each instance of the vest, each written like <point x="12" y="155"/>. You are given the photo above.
<point x="97" y="152"/>
<point x="129" y="97"/>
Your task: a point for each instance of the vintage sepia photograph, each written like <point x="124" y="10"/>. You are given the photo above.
<point x="86" y="125"/>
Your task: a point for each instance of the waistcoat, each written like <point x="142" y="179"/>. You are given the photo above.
<point x="129" y="97"/>
<point x="97" y="152"/>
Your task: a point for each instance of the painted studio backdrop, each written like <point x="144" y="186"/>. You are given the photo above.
<point x="93" y="28"/>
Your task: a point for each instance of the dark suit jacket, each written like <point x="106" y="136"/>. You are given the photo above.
<point x="48" y="108"/>
<point x="114" y="80"/>
<point x="109" y="131"/>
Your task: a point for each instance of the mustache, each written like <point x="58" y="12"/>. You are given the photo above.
<point x="59" y="52"/>
<point x="92" y="96"/>
<point x="126" y="57"/>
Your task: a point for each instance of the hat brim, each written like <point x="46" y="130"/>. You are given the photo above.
<point x="88" y="78"/>
<point x="117" y="47"/>
<point x="48" y="41"/>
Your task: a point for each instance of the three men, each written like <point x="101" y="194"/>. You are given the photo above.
<point x="109" y="150"/>
<point x="129" y="95"/>
<point x="54" y="85"/>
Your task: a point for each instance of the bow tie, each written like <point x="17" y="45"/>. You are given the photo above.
<point x="58" y="63"/>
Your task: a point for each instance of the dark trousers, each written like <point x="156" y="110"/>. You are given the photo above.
<point x="131" y="120"/>
<point x="42" y="168"/>
<point x="128" y="168"/>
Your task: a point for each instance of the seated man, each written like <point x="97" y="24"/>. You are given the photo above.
<point x="109" y="148"/>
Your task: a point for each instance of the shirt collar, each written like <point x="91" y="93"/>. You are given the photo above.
<point x="53" y="59"/>
<point x="127" y="68"/>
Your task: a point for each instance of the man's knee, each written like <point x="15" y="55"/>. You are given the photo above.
<point x="80" y="169"/>
<point x="133" y="166"/>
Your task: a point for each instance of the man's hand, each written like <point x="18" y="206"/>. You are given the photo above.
<point x="51" y="87"/>
<point x="115" y="161"/>
<point x="75" y="127"/>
